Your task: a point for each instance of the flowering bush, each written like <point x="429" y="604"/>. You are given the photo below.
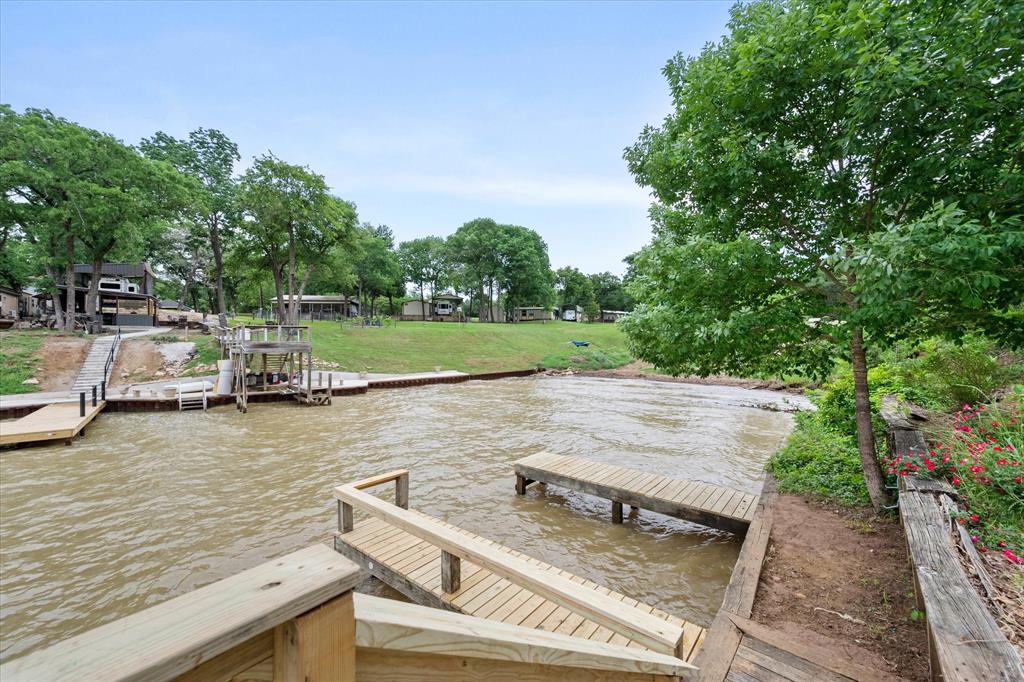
<point x="982" y="459"/>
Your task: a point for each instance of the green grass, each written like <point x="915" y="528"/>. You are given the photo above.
<point x="471" y="347"/>
<point x="19" y="358"/>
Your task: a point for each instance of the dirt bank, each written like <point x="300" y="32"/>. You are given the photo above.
<point x="643" y="370"/>
<point x="838" y="578"/>
<point x="62" y="357"/>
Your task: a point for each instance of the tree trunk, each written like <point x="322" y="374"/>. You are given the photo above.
<point x="69" y="281"/>
<point x="92" y="296"/>
<point x="58" y="307"/>
<point x="490" y="301"/>
<point x="302" y="290"/>
<point x="423" y="305"/>
<point x="865" y="434"/>
<point x="218" y="264"/>
<point x="262" y="303"/>
<point x="292" y="312"/>
<point x="279" y="287"/>
<point x="482" y="315"/>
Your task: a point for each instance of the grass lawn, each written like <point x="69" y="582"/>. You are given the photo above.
<point x="19" y="356"/>
<point x="472" y="347"/>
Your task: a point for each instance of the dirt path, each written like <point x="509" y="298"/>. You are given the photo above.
<point x="642" y="370"/>
<point x="62" y="358"/>
<point x="838" y="578"/>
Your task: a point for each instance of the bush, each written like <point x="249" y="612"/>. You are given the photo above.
<point x="821" y="460"/>
<point x="981" y="458"/>
<point x="952" y="374"/>
<point x="586" y="358"/>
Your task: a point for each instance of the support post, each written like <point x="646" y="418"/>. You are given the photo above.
<point x="451" y="573"/>
<point x="319" y="645"/>
<point x="103" y="391"/>
<point x="616" y="512"/>
<point x="520" y="485"/>
<point x="344" y="517"/>
<point x="94" y="395"/>
<point x="81" y="403"/>
<point x="402" y="491"/>
<point x="330" y="381"/>
<point x="320" y="378"/>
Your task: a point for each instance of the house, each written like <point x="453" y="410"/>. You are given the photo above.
<point x="30" y="304"/>
<point x="440" y="308"/>
<point x="9" y="308"/>
<point x="526" y="313"/>
<point x="572" y="313"/>
<point x="171" y="304"/>
<point x="326" y="307"/>
<point x="125" y="294"/>
<point x="612" y="315"/>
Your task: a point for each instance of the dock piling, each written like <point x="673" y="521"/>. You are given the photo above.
<point x="81" y="403"/>
<point x="103" y="390"/>
<point x="616" y="512"/>
<point x="93" y="395"/>
<point x="451" y="572"/>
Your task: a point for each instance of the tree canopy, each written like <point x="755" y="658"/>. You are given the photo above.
<point x="809" y="161"/>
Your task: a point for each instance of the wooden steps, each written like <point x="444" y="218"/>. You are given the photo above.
<point x="413" y="566"/>
<point x="703" y="503"/>
<point x="57" y="421"/>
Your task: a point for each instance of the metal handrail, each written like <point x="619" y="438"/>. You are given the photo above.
<point x="109" y="363"/>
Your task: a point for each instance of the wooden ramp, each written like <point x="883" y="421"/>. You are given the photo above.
<point x="520" y="590"/>
<point x="703" y="503"/>
<point x="58" y="421"/>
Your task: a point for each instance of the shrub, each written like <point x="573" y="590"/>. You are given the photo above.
<point x="819" y="459"/>
<point x="981" y="457"/>
<point x="957" y="374"/>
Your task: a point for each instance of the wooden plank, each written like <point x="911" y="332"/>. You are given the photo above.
<point x="57" y="421"/>
<point x="382" y="478"/>
<point x="650" y="631"/>
<point x="318" y="646"/>
<point x="966" y="642"/>
<point x="176" y="636"/>
<point x="231" y="664"/>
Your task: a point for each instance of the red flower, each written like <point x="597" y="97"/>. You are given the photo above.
<point x="956" y="481"/>
<point x="974" y="518"/>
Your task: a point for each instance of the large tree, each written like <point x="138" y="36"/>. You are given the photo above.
<point x="209" y="156"/>
<point x="805" y="156"/>
<point x="474" y="250"/>
<point x="290" y="223"/>
<point x="424" y="264"/>
<point x="573" y="287"/>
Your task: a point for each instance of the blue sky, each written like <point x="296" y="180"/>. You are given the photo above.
<point x="425" y="115"/>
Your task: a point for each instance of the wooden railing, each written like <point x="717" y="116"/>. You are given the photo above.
<point x="296" y="619"/>
<point x="644" y="628"/>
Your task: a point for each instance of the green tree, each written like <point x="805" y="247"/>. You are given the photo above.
<point x="377" y="268"/>
<point x="290" y="223"/>
<point x="609" y="292"/>
<point x="473" y="248"/>
<point x="524" y="275"/>
<point x="804" y="152"/>
<point x="573" y="287"/>
<point x="424" y="263"/>
<point x="209" y="156"/>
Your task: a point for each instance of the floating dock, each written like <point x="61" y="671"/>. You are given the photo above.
<point x="437" y="564"/>
<point x="703" y="503"/>
<point x="57" y="421"/>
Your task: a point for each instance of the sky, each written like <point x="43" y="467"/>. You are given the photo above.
<point x="426" y="115"/>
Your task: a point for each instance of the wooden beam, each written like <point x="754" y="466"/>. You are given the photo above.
<point x="646" y="629"/>
<point x="451" y="572"/>
<point x="318" y="646"/>
<point x="377" y="480"/>
<point x="174" y="637"/>
<point x="393" y="626"/>
<point x="616" y="512"/>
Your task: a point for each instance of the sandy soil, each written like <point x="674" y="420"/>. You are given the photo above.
<point x="642" y="370"/>
<point x="838" y="578"/>
<point x="62" y="358"/>
<point x="138" y="360"/>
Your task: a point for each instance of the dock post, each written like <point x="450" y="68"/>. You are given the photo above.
<point x="402" y="491"/>
<point x="94" y="395"/>
<point x="320" y="378"/>
<point x="520" y="485"/>
<point x="344" y="517"/>
<point x="330" y="380"/>
<point x="616" y="512"/>
<point x="451" y="572"/>
<point x="103" y="391"/>
<point x="81" y="403"/>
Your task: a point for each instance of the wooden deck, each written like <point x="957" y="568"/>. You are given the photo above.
<point x="58" y="421"/>
<point x="703" y="503"/>
<point x="413" y="567"/>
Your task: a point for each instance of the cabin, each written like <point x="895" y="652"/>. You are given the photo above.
<point x="440" y="308"/>
<point x="9" y="304"/>
<point x="126" y="294"/>
<point x="612" y="315"/>
<point x="527" y="313"/>
<point x="571" y="313"/>
<point x="326" y="307"/>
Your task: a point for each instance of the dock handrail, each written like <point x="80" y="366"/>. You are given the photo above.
<point x="644" y="628"/>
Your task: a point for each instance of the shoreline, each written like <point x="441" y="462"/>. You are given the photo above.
<point x="636" y="370"/>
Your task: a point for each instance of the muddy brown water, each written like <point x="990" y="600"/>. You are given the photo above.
<point x="150" y="506"/>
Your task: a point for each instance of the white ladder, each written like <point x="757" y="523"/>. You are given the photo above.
<point x="192" y="401"/>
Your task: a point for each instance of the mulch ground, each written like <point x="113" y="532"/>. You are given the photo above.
<point x="839" y="579"/>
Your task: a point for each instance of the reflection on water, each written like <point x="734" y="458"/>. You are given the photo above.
<point x="149" y="506"/>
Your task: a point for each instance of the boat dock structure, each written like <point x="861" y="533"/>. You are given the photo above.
<point x="437" y="564"/>
<point x="57" y="421"/>
<point x="703" y="503"/>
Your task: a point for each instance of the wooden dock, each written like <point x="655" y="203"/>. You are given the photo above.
<point x="437" y="564"/>
<point x="57" y="421"/>
<point x="703" y="503"/>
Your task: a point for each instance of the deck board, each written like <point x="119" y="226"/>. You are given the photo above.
<point x="704" y="503"/>
<point x="57" y="421"/>
<point x="413" y="567"/>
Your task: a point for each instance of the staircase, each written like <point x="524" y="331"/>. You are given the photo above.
<point x="96" y="368"/>
<point x="192" y="401"/>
